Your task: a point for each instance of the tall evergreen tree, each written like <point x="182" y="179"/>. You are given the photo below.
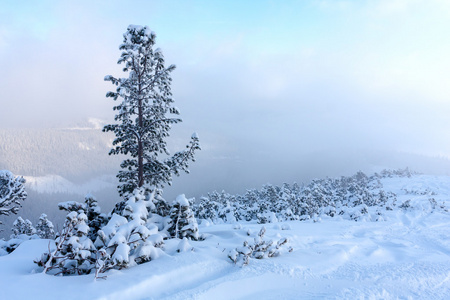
<point x="143" y="123"/>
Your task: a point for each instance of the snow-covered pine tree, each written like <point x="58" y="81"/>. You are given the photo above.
<point x="268" y="198"/>
<point x="281" y="207"/>
<point x="129" y="239"/>
<point x="18" y="227"/>
<point x="75" y="253"/>
<point x="250" y="205"/>
<point x="184" y="223"/>
<point x="95" y="218"/>
<point x="23" y="230"/>
<point x="238" y="209"/>
<point x="162" y="208"/>
<point x="12" y="192"/>
<point x="143" y="121"/>
<point x="227" y="211"/>
<point x="21" y="226"/>
<point x="29" y="228"/>
<point x="207" y="209"/>
<point x="45" y="228"/>
<point x="90" y="207"/>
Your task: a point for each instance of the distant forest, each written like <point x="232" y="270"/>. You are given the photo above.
<point x="73" y="154"/>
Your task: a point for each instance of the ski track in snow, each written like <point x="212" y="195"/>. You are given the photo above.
<point x="405" y="257"/>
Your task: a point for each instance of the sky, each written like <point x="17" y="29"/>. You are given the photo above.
<point x="275" y="89"/>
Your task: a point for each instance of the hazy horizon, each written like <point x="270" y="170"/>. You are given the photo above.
<point x="277" y="91"/>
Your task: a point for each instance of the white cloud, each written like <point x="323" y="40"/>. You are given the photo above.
<point x="388" y="7"/>
<point x="358" y="76"/>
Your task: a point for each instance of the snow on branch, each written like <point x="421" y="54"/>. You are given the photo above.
<point x="12" y="193"/>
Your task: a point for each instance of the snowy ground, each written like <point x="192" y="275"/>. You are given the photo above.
<point x="405" y="257"/>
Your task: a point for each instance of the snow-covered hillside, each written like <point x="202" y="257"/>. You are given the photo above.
<point x="56" y="184"/>
<point x="405" y="256"/>
<point x="77" y="153"/>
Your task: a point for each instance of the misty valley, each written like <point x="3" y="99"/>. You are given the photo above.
<point x="320" y="233"/>
<point x="313" y="175"/>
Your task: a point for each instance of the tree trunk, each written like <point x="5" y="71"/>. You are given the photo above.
<point x="140" y="164"/>
<point x="140" y="146"/>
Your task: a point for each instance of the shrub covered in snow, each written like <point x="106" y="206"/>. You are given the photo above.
<point x="355" y="197"/>
<point x="23" y="230"/>
<point x="74" y="253"/>
<point x="96" y="219"/>
<point x="183" y="223"/>
<point x="45" y="228"/>
<point x="21" y="226"/>
<point x="134" y="236"/>
<point x="90" y="207"/>
<point x="130" y="239"/>
<point x="10" y="245"/>
<point x="12" y="192"/>
<point x="260" y="248"/>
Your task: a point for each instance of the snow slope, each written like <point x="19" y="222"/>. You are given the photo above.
<point x="57" y="184"/>
<point x="406" y="256"/>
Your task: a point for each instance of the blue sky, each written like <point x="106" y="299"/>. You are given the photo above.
<point x="252" y="76"/>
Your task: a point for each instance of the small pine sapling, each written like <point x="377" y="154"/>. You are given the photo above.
<point x="184" y="223"/>
<point x="21" y="226"/>
<point x="23" y="230"/>
<point x="90" y="207"/>
<point x="74" y="253"/>
<point x="95" y="218"/>
<point x="207" y="209"/>
<point x="45" y="228"/>
<point x="18" y="227"/>
<point x="129" y="239"/>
